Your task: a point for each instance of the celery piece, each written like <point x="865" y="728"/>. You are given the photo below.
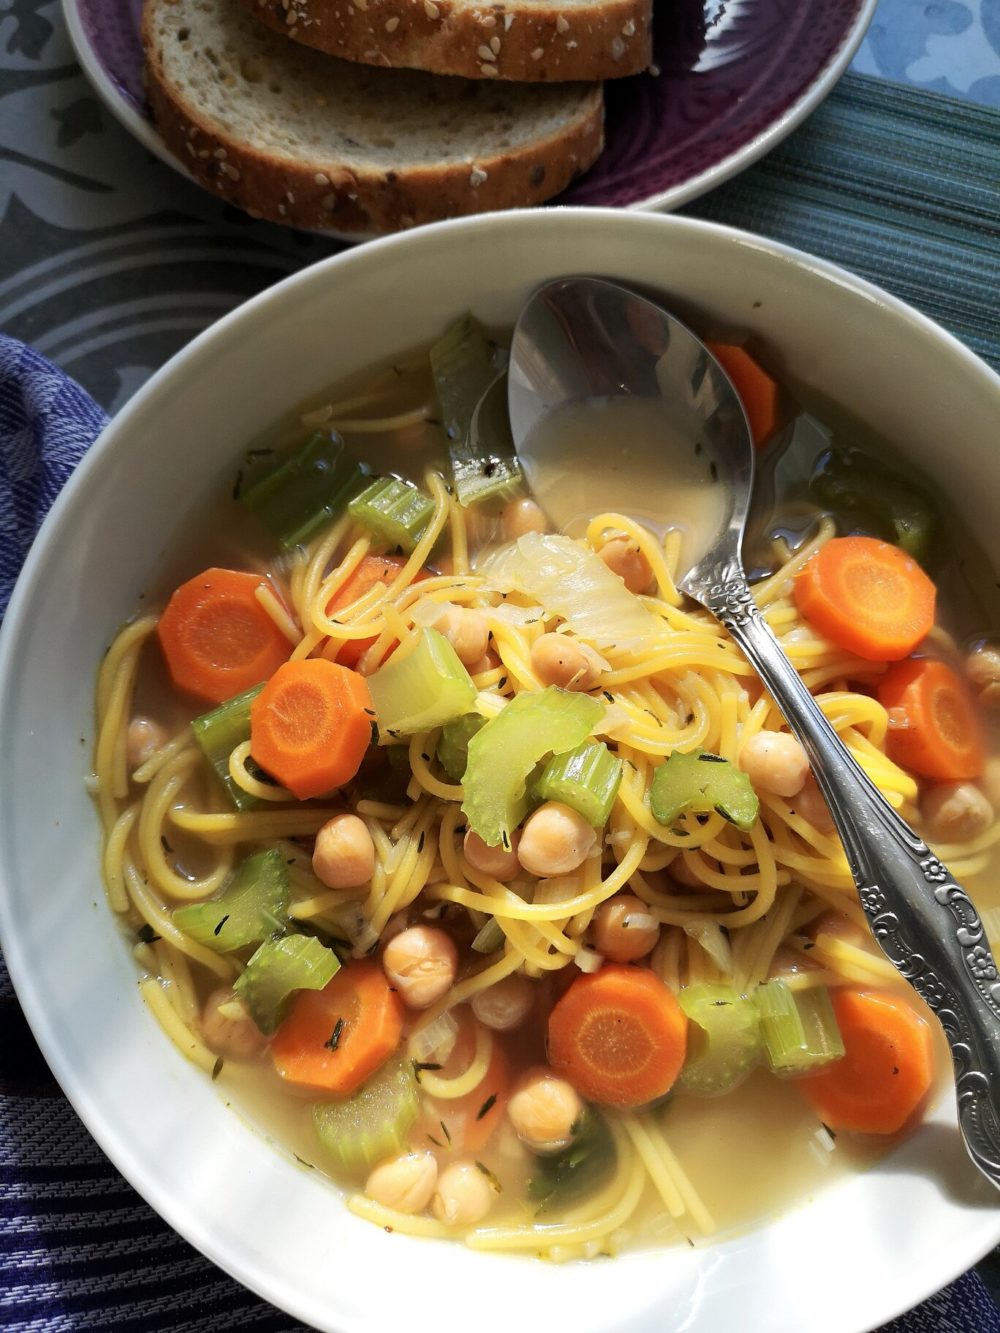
<point x="453" y="746"/>
<point x="252" y="906"/>
<point x="870" y="497"/>
<point x="421" y="687"/>
<point x="579" y="1169"/>
<point x="306" y="490"/>
<point x="702" y="782"/>
<point x="586" y="779"/>
<point x="279" y="967"/>
<point x="473" y="399"/>
<point x="359" y="1131"/>
<point x="799" y="1027"/>
<point x="490" y="938"/>
<point x="219" y="732"/>
<point x="394" y="511"/>
<point x="724" y="1041"/>
<point x="503" y="755"/>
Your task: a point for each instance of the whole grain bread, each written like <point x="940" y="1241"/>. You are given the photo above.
<point x="528" y="40"/>
<point x="298" y="137"/>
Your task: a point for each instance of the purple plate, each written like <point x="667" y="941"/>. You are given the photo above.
<point x="734" y="77"/>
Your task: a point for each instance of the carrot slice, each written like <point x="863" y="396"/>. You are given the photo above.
<point x="887" y="1068"/>
<point x="466" y="1123"/>
<point x="311" y="725"/>
<point x="216" y="636"/>
<point x="334" y="1039"/>
<point x="371" y="569"/>
<point x="757" y="390"/>
<point x="934" y="726"/>
<point x="867" y="596"/>
<point x="618" y="1035"/>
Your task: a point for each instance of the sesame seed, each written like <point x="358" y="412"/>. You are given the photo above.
<point x="629" y="29"/>
<point x="485" y="53"/>
<point x="488" y="71"/>
<point x="282" y="209"/>
<point x="329" y="202"/>
<point x="476" y="177"/>
<point x="321" y="178"/>
<point x="391" y="24"/>
<point x="203" y="154"/>
<point x="289" y="196"/>
<point x="537" y="53"/>
<point x="431" y="9"/>
<point x="653" y="71"/>
<point x="571" y="46"/>
<point x="561" y="24"/>
<point x="291" y="17"/>
<point x="190" y="147"/>
<point x="617" y="48"/>
<point x="255" y="213"/>
<point x="361" y="4"/>
<point x="495" y="45"/>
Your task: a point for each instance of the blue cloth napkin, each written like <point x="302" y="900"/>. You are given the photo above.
<point x="78" y="1248"/>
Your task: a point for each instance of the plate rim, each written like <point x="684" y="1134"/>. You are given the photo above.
<point x="662" y="201"/>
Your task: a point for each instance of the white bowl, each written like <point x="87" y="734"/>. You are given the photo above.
<point x="851" y="1258"/>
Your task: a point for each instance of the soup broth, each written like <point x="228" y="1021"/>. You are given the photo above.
<point x="443" y="1092"/>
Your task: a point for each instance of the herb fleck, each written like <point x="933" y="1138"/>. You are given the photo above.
<point x="334" y="1040"/>
<point x="217" y="1068"/>
<point x="222" y="922"/>
<point x="487" y="1106"/>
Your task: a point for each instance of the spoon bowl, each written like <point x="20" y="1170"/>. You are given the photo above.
<point x="582" y="342"/>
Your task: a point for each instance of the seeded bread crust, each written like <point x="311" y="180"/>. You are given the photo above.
<point x="326" y="192"/>
<point x="532" y="43"/>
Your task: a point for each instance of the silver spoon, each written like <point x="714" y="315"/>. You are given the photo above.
<point x="581" y="343"/>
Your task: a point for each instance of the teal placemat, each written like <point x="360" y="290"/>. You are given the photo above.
<point x="899" y="185"/>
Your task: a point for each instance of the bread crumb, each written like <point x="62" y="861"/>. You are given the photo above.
<point x="476" y="177"/>
<point x="561" y="24"/>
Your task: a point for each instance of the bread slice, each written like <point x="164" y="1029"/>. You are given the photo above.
<point x="529" y="40"/>
<point x="302" y="138"/>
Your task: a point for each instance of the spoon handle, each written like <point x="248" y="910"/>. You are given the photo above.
<point x="923" y="920"/>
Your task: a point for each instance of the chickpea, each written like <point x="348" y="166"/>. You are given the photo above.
<point x="464" y="1195"/>
<point x="405" y="1183"/>
<point x="505" y="1004"/>
<point x="466" y="631"/>
<point x="557" y="660"/>
<point x="955" y="812"/>
<point x="488" y="662"/>
<point x="624" y="558"/>
<point x="143" y="738"/>
<point x="555" y="840"/>
<point x="500" y="862"/>
<point x="982" y="666"/>
<point x="344" y="854"/>
<point x="624" y="930"/>
<point x="811" y="804"/>
<point x="990" y="781"/>
<point x="775" y="762"/>
<point x="543" y="1110"/>
<point x="421" y="963"/>
<point x="523" y="516"/>
<point x="231" y="1034"/>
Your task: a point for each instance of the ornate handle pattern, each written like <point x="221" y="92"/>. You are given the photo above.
<point x="923" y="920"/>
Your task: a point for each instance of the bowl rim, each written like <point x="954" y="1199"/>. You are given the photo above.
<point x="947" y="1264"/>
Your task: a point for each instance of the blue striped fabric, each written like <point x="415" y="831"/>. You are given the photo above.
<point x="78" y="1249"/>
